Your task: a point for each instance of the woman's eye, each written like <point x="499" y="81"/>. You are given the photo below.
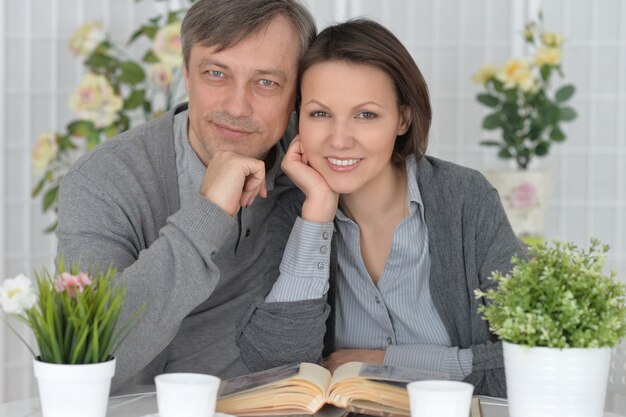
<point x="319" y="114"/>
<point x="366" y="115"/>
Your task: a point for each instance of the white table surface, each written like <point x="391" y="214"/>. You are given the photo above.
<point x="140" y="405"/>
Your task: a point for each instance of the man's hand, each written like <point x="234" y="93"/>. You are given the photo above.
<point x="321" y="202"/>
<point x="233" y="181"/>
<point x="341" y="356"/>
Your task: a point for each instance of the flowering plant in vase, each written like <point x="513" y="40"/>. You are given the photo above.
<point x="521" y="100"/>
<point x="117" y="91"/>
<point x="74" y="317"/>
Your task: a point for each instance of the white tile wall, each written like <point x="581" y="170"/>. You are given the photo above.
<point x="449" y="39"/>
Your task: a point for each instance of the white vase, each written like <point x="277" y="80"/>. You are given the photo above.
<point x="524" y="195"/>
<point x="74" y="390"/>
<point x="552" y="382"/>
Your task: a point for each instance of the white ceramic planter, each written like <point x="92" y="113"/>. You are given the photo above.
<point x="551" y="382"/>
<point x="74" y="390"/>
<point x="524" y="195"/>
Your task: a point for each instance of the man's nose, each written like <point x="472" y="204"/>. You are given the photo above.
<point x="238" y="101"/>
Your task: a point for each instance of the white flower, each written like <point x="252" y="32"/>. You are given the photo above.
<point x="161" y="75"/>
<point x="95" y="100"/>
<point x="44" y="151"/>
<point x="517" y="73"/>
<point x="486" y="73"/>
<point x="86" y="38"/>
<point x="548" y="56"/>
<point x="552" y="39"/>
<point x="167" y="46"/>
<point x="17" y="294"/>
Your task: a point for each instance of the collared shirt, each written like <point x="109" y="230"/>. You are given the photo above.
<point x="398" y="314"/>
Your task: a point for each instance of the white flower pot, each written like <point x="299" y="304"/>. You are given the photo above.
<point x="74" y="390"/>
<point x="551" y="382"/>
<point x="524" y="195"/>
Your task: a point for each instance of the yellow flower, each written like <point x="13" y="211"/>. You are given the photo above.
<point x="548" y="56"/>
<point x="161" y="75"/>
<point x="95" y="100"/>
<point x="86" y="38"/>
<point x="45" y="150"/>
<point x="167" y="45"/>
<point x="517" y="73"/>
<point x="552" y="39"/>
<point x="486" y="73"/>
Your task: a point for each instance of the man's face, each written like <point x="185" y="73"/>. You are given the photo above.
<point x="240" y="98"/>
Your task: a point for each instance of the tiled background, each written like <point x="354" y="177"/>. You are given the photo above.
<point x="449" y="40"/>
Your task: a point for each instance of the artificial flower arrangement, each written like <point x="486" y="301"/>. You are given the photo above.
<point x="74" y="317"/>
<point x="115" y="92"/>
<point x="521" y="101"/>
<point x="558" y="297"/>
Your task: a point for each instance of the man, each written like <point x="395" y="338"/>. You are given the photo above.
<point x="172" y="203"/>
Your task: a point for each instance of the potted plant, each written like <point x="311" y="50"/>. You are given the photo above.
<point x="558" y="315"/>
<point x="528" y="112"/>
<point x="75" y="320"/>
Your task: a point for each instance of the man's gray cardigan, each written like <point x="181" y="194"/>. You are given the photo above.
<point x="469" y="237"/>
<point x="120" y="204"/>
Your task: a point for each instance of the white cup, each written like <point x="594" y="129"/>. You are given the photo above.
<point x="440" y="398"/>
<point x="186" y="394"/>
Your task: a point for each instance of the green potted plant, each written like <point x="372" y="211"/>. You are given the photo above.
<point x="76" y="321"/>
<point x="558" y="315"/>
<point x="527" y="111"/>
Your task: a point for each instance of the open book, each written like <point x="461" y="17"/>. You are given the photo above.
<point x="305" y="388"/>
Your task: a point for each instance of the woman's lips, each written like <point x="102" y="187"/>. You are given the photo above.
<point x="343" y="164"/>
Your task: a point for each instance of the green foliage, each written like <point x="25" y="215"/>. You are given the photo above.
<point x="520" y="102"/>
<point x="130" y="79"/>
<point x="78" y="327"/>
<point x="559" y="297"/>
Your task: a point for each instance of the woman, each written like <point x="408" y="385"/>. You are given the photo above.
<point x="412" y="238"/>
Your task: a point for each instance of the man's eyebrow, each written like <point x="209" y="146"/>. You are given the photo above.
<point x="210" y="61"/>
<point x="274" y="72"/>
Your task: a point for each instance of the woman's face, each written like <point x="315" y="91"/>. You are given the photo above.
<point x="349" y="120"/>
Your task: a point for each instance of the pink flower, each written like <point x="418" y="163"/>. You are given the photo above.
<point x="73" y="284"/>
<point x="525" y="196"/>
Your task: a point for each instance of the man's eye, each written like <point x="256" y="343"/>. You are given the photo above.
<point x="319" y="114"/>
<point x="267" y="83"/>
<point x="215" y="73"/>
<point x="366" y="115"/>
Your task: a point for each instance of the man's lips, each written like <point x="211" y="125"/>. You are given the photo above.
<point x="231" y="132"/>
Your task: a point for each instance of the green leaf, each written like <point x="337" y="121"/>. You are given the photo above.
<point x="542" y="148"/>
<point x="50" y="197"/>
<point x="488" y="100"/>
<point x="93" y="139"/>
<point x="492" y="121"/>
<point x="504" y="154"/>
<point x="172" y="17"/>
<point x="37" y="189"/>
<point x="545" y="72"/>
<point x="135" y="99"/>
<point x="490" y="143"/>
<point x="81" y="128"/>
<point x="150" y="57"/>
<point x="110" y="131"/>
<point x="97" y="60"/>
<point x="51" y="228"/>
<point x="557" y="134"/>
<point x="565" y="93"/>
<point x="132" y="73"/>
<point x="567" y="114"/>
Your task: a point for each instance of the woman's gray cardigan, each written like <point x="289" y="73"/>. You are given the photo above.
<point x="469" y="237"/>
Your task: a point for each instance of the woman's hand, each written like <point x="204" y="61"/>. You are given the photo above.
<point x="321" y="202"/>
<point x="341" y="356"/>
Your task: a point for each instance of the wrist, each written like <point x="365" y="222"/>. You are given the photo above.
<point x="320" y="209"/>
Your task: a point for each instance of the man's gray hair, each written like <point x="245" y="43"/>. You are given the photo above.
<point x="224" y="23"/>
